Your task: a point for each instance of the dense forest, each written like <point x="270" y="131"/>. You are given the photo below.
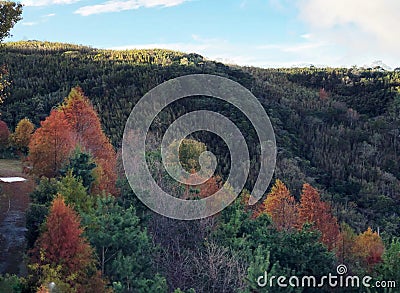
<point x="333" y="200"/>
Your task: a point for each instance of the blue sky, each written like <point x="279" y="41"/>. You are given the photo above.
<point x="266" y="33"/>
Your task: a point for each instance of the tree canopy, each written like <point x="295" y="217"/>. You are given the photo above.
<point x="10" y="14"/>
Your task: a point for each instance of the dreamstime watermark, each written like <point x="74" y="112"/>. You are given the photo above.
<point x="339" y="280"/>
<point x="195" y="86"/>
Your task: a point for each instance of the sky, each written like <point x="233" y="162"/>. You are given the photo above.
<point x="264" y="33"/>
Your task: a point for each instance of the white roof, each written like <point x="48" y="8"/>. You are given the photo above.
<point x="12" y="179"/>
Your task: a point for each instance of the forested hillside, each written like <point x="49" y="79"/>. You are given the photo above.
<point x="338" y="139"/>
<point x="338" y="128"/>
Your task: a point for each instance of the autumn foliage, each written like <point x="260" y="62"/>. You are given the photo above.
<point x="62" y="242"/>
<point x="51" y="144"/>
<point x="281" y="206"/>
<point x="313" y="210"/>
<point x="61" y="248"/>
<point x="286" y="214"/>
<point x="22" y="134"/>
<point x="86" y="124"/>
<point x="369" y="248"/>
<point x="4" y="133"/>
<point x="363" y="250"/>
<point x="74" y="123"/>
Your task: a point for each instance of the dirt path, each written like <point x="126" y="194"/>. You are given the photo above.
<point x="14" y="200"/>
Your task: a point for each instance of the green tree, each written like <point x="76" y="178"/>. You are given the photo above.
<point x="74" y="192"/>
<point x="45" y="191"/>
<point x="10" y="14"/>
<point x="390" y="268"/>
<point x="260" y="271"/>
<point x="123" y="247"/>
<point x="38" y="209"/>
<point x="11" y="283"/>
<point x="299" y="252"/>
<point x="82" y="165"/>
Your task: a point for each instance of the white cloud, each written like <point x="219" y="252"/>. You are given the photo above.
<point x="47" y="2"/>
<point x="306" y="36"/>
<point x="29" y="23"/>
<point x="116" y="6"/>
<point x="49" y="15"/>
<point x="365" y="29"/>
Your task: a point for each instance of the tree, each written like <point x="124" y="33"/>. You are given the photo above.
<point x="86" y="124"/>
<point x="62" y="248"/>
<point x="4" y="134"/>
<point x="74" y="192"/>
<point x="369" y="248"/>
<point x="390" y="268"/>
<point x="189" y="152"/>
<point x="10" y="14"/>
<point x="298" y="252"/>
<point x="123" y="247"/>
<point x="82" y="166"/>
<point x="346" y="244"/>
<point x="313" y="210"/>
<point x="21" y="138"/>
<point x="11" y="283"/>
<point x="4" y="82"/>
<point x="281" y="206"/>
<point x="41" y="199"/>
<point x="51" y="145"/>
<point x="62" y="242"/>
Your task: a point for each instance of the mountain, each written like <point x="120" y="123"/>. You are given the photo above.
<point x="336" y="128"/>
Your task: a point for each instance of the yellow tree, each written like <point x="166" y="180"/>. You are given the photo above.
<point x="369" y="248"/>
<point x="281" y="206"/>
<point x="22" y="135"/>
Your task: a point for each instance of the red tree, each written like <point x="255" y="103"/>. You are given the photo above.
<point x="51" y="145"/>
<point x="4" y="134"/>
<point x="63" y="248"/>
<point x="62" y="242"/>
<point x="323" y="95"/>
<point x="313" y="210"/>
<point x="86" y="124"/>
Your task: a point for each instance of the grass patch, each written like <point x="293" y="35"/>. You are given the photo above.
<point x="10" y="167"/>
